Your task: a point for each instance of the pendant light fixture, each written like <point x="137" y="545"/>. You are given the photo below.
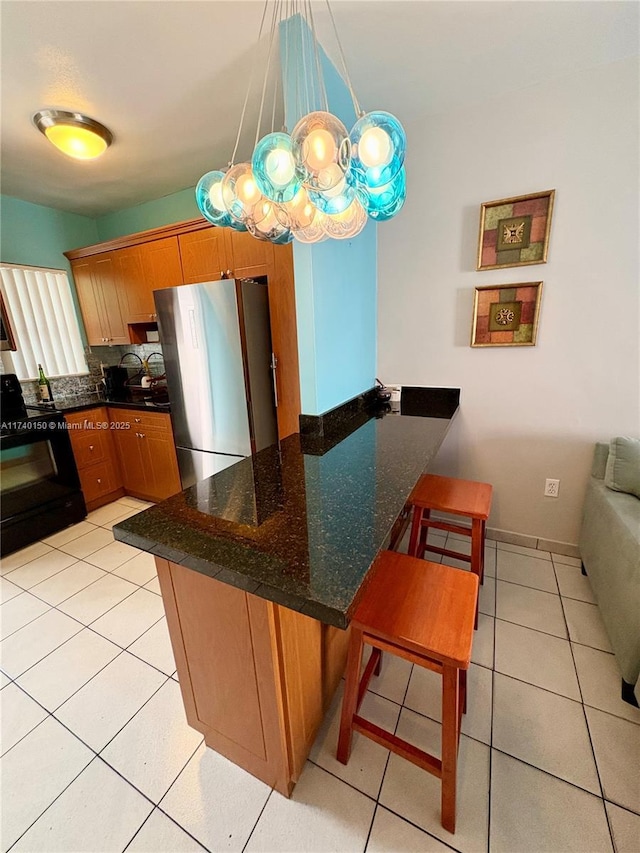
<point x="75" y="134"/>
<point x="320" y="181"/>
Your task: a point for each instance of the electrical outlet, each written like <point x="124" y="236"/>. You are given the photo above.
<point x="551" y="488"/>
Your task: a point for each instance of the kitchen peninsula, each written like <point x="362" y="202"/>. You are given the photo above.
<point x="261" y="566"/>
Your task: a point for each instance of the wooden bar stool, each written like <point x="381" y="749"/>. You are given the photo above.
<point x="456" y="497"/>
<point x="422" y="612"/>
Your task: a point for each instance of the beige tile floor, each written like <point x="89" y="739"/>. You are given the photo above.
<point x="97" y="756"/>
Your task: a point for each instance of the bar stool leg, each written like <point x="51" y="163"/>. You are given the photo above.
<point x="416" y="526"/>
<point x="350" y="699"/>
<point x="477" y="549"/>
<point x="450" y="699"/>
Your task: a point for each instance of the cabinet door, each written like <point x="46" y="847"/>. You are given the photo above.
<point x="248" y="257"/>
<point x="90" y="302"/>
<point x="105" y="274"/>
<point x="131" y="461"/>
<point x="203" y="255"/>
<point x="135" y="293"/>
<point x="161" y="465"/>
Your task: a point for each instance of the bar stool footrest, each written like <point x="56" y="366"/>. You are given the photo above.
<point x="416" y="756"/>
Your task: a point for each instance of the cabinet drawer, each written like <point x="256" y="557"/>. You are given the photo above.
<point x="98" y="480"/>
<point x="90" y="447"/>
<point x="141" y="420"/>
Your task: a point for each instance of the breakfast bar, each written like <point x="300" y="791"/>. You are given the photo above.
<point x="261" y="567"/>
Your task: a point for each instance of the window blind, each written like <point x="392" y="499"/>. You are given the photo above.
<point x="44" y="322"/>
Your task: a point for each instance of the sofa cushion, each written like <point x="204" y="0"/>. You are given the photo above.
<point x="623" y="466"/>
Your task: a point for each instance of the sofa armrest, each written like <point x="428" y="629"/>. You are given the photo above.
<point x="600" y="456"/>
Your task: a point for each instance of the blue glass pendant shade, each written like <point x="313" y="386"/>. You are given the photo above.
<point x="209" y="199"/>
<point x="384" y="202"/>
<point x="378" y="147"/>
<point x="333" y="201"/>
<point x="274" y="167"/>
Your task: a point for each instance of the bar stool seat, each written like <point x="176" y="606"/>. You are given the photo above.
<point x="456" y="497"/>
<point x="422" y="612"/>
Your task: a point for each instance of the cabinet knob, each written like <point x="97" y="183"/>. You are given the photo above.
<point x="229" y="273"/>
<point x="91" y="447"/>
<point x="99" y="480"/>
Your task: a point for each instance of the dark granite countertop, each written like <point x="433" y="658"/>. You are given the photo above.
<point x="295" y="526"/>
<point x="91" y="401"/>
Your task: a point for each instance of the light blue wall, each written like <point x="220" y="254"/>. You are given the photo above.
<point x="37" y="236"/>
<point x="176" y="207"/>
<point x="336" y="281"/>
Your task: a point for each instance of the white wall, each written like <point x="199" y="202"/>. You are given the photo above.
<point x="527" y="413"/>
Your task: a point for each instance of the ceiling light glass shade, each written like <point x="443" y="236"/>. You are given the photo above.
<point x="347" y="224"/>
<point x="274" y="167"/>
<point x="385" y="202"/>
<point x="240" y="193"/>
<point x="313" y="233"/>
<point x="378" y="147"/>
<point x="209" y="198"/>
<point x="320" y="143"/>
<point x="335" y="200"/>
<point x="297" y="213"/>
<point x="75" y="134"/>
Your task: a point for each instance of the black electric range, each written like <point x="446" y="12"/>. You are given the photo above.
<point x="39" y="486"/>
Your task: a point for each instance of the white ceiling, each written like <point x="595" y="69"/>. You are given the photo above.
<point x="168" y="78"/>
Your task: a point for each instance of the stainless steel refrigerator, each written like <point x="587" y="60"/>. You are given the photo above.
<point x="216" y="343"/>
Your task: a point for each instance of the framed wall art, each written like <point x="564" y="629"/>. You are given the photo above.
<point x="514" y="232"/>
<point x="506" y="315"/>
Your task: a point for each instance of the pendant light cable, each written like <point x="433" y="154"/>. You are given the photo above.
<point x="246" y="97"/>
<point x="322" y="91"/>
<point x="276" y="9"/>
<point x="356" y="104"/>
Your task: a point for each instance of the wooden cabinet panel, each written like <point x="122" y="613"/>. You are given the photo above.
<point x="203" y="255"/>
<point x="95" y="456"/>
<point x="284" y="338"/>
<point x="145" y="268"/>
<point x="101" y="300"/>
<point x="98" y="481"/>
<point x="106" y="273"/>
<point x="147" y="454"/>
<point x="246" y="256"/>
<point x="90" y="303"/>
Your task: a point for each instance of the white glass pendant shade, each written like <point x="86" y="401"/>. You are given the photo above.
<point x="385" y="202"/>
<point x="297" y="213"/>
<point x="336" y="199"/>
<point x="320" y="143"/>
<point x="240" y="193"/>
<point x="274" y="167"/>
<point x="314" y="232"/>
<point x="378" y="146"/>
<point x="347" y="224"/>
<point x="209" y="198"/>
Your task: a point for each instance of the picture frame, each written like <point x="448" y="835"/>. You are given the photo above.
<point x="7" y="340"/>
<point x="514" y="232"/>
<point x="506" y="315"/>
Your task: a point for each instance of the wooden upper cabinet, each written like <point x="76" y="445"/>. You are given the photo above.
<point x="247" y="257"/>
<point x="145" y="268"/>
<point x="102" y="303"/>
<point x="203" y="254"/>
<point x="90" y="302"/>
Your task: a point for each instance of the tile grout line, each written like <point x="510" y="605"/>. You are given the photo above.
<point x="253" y="828"/>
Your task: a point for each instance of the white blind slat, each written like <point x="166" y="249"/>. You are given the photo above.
<point x="43" y="317"/>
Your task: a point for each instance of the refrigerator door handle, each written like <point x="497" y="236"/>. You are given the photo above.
<point x="274" y="365"/>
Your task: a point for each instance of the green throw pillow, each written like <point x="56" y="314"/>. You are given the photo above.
<point x="623" y="466"/>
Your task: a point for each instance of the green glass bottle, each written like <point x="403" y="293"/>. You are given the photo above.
<point x="45" y="386"/>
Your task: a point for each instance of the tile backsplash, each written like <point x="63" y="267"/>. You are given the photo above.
<point x="73" y="386"/>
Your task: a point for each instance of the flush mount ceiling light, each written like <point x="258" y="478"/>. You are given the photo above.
<point x="75" y="134"/>
<point x="321" y="181"/>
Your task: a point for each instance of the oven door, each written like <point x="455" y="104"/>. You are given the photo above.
<point x="39" y="484"/>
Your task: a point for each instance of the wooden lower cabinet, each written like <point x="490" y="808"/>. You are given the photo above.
<point x="147" y="454"/>
<point x="95" y="455"/>
<point x="256" y="678"/>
